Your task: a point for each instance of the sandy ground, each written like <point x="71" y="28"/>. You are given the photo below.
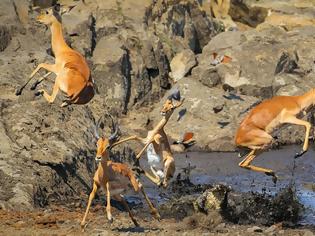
<point x="59" y="221"/>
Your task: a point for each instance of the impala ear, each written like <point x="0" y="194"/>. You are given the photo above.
<point x="56" y="12"/>
<point x="176" y="95"/>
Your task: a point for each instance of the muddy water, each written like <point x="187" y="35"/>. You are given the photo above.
<point x="213" y="168"/>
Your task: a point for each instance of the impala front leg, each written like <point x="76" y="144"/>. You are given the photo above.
<point x="91" y="197"/>
<point x="49" y="67"/>
<point x="134" y="137"/>
<point x="143" y="149"/>
<point x="108" y="207"/>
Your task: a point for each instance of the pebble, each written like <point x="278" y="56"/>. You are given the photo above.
<point x="254" y="229"/>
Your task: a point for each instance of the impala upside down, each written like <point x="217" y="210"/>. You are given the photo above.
<point x="157" y="145"/>
<point x="114" y="178"/>
<point x="73" y="74"/>
<point x="256" y="128"/>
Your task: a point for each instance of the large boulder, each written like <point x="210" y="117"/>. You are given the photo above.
<point x="181" y="64"/>
<point x="181" y="24"/>
<point x="288" y="14"/>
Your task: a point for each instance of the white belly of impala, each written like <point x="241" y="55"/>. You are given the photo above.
<point x="155" y="160"/>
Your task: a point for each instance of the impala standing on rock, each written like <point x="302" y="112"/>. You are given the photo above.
<point x="73" y="74"/>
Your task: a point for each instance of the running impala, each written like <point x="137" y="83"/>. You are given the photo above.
<point x="114" y="178"/>
<point x="255" y="130"/>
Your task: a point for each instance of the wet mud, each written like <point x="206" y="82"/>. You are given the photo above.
<point x="251" y="197"/>
<point x="209" y="193"/>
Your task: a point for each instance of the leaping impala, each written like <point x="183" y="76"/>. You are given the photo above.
<point x="254" y="131"/>
<point x="159" y="154"/>
<point x="73" y="74"/>
<point x="114" y="178"/>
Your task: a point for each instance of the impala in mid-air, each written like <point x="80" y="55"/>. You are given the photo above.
<point x="72" y="71"/>
<point x="254" y="131"/>
<point x="159" y="154"/>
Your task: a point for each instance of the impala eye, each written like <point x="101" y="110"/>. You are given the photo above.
<point x="46" y="12"/>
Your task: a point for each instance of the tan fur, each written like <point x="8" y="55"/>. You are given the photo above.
<point x="73" y="74"/>
<point x="255" y="130"/>
<point x="161" y="145"/>
<point x="114" y="178"/>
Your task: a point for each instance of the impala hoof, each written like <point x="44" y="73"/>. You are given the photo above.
<point x="136" y="223"/>
<point x="274" y="179"/>
<point x="83" y="226"/>
<point x="18" y="92"/>
<point x="274" y="176"/>
<point x="38" y="93"/>
<point x="156" y="215"/>
<point x="110" y="220"/>
<point x="33" y="87"/>
<point x="299" y="154"/>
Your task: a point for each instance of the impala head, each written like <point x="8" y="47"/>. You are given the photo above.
<point x="104" y="143"/>
<point x="50" y="15"/>
<point x="173" y="101"/>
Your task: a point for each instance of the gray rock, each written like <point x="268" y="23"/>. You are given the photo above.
<point x="108" y="51"/>
<point x="181" y="64"/>
<point x="210" y="77"/>
<point x="5" y="37"/>
<point x="224" y="41"/>
<point x="212" y="199"/>
<point x="21" y="8"/>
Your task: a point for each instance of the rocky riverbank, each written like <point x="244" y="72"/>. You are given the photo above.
<point x="138" y="51"/>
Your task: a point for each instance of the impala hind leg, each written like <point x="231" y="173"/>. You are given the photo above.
<point x="256" y="140"/>
<point x="91" y="197"/>
<point x="155" y="179"/>
<point x="125" y="204"/>
<point x="246" y="164"/>
<point x="154" y="211"/>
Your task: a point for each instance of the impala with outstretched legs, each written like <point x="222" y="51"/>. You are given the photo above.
<point x="71" y="69"/>
<point x="114" y="178"/>
<point x="159" y="154"/>
<point x="255" y="130"/>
